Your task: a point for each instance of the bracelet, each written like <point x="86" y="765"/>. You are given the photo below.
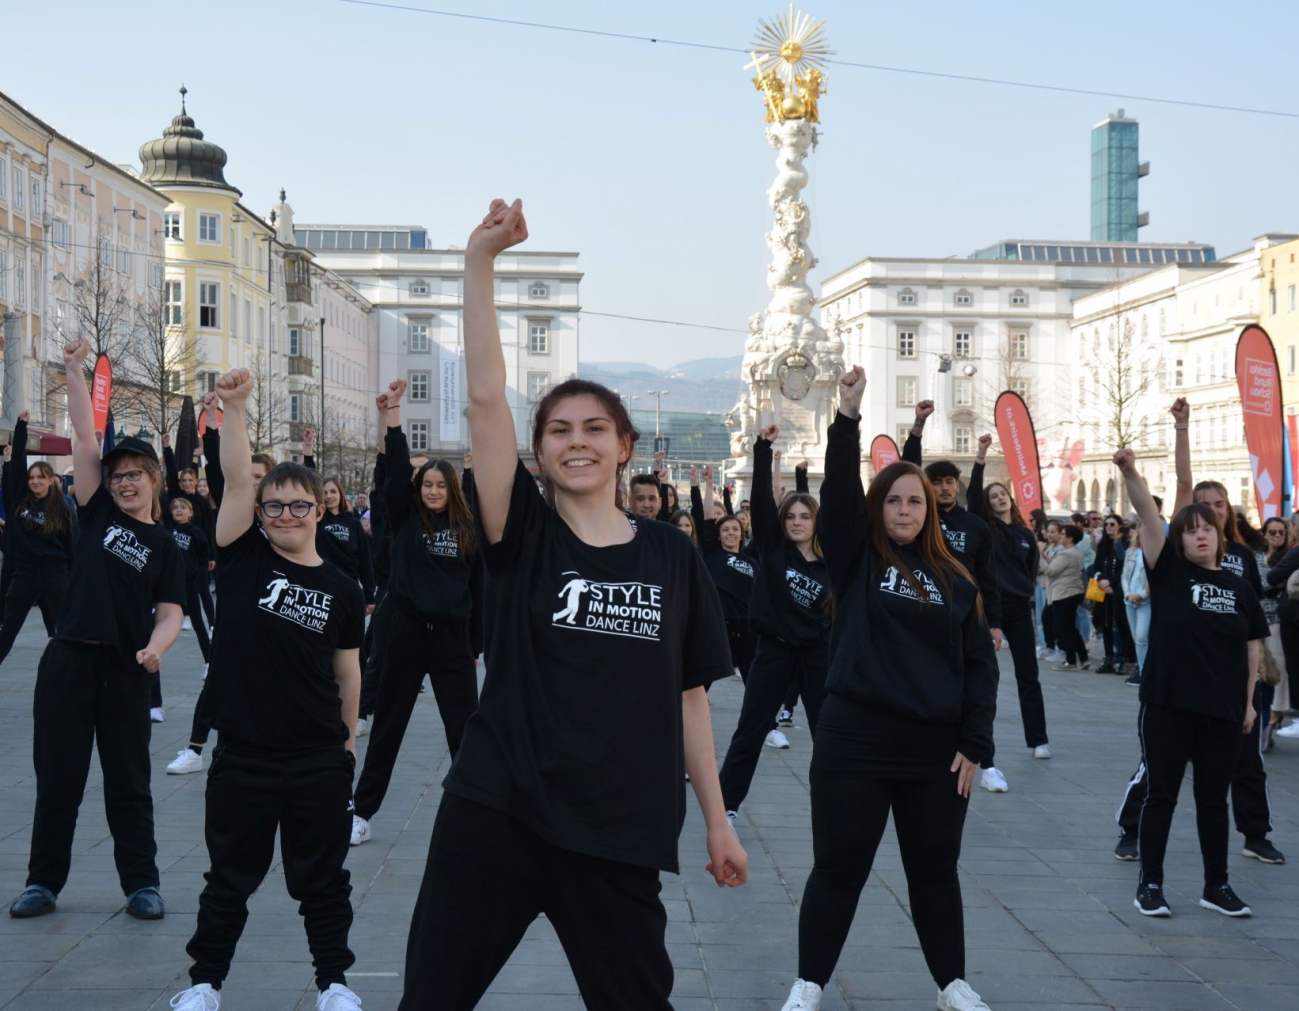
<point x="1181" y="428"/>
<point x="918" y="429"/>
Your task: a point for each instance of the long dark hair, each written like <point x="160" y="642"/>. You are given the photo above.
<point x="930" y="542"/>
<point x="676" y="522"/>
<point x="1251" y="538"/>
<point x="1016" y="517"/>
<point x="1276" y="555"/>
<point x="622" y="424"/>
<point x="344" y="506"/>
<point x="801" y="498"/>
<point x="58" y="514"/>
<point x="459" y="517"/>
<point x="1185" y="521"/>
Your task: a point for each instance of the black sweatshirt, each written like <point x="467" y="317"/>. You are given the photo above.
<point x="195" y="548"/>
<point x="26" y="540"/>
<point x="1014" y="548"/>
<point x="970" y="540"/>
<point x="341" y="541"/>
<point x="380" y="535"/>
<point x="204" y="517"/>
<point x="791" y="593"/>
<point x="216" y="478"/>
<point x="732" y="572"/>
<point x="429" y="578"/>
<point x="930" y="662"/>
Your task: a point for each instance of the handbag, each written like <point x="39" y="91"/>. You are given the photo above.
<point x="1292" y="586"/>
<point x="1269" y="671"/>
<point x="1094" y="591"/>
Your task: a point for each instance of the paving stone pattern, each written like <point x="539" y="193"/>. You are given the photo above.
<point x="1049" y="921"/>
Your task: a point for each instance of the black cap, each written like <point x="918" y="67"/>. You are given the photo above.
<point x="130" y="444"/>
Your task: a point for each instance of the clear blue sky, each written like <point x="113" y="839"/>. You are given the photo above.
<point x="650" y="160"/>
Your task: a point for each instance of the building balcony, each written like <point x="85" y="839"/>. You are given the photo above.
<point x="300" y="365"/>
<point x="298" y="291"/>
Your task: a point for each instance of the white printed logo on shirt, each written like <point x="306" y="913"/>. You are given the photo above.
<point x="895" y="584"/>
<point x="33" y="517"/>
<point x="738" y="563"/>
<point x="955" y="539"/>
<point x="300" y="605"/>
<point x="1210" y="597"/>
<point x="1234" y="564"/>
<point x="340" y="531"/>
<point x="182" y="540"/>
<point x="805" y="590"/>
<point x="121" y="543"/>
<point x="445" y="543"/>
<point x="633" y="610"/>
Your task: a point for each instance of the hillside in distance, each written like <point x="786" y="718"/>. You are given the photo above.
<point x="700" y="384"/>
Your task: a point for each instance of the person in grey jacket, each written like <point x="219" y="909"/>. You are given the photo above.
<point x="1064" y="592"/>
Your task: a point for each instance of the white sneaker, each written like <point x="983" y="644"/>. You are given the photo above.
<point x="737" y="676"/>
<point x="730" y="820"/>
<point x="360" y="831"/>
<point x="776" y="739"/>
<point x="994" y="782"/>
<point x="197" y="998"/>
<point x="338" y="998"/>
<point x="186" y="761"/>
<point x="186" y="625"/>
<point x="156" y="715"/>
<point x="1291" y="731"/>
<point x="785" y="719"/>
<point x="204" y="671"/>
<point x="1042" y="751"/>
<point x="960" y="996"/>
<point x="362" y="727"/>
<point x="804" y="997"/>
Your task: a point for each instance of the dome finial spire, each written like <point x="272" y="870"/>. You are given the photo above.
<point x="183" y="92"/>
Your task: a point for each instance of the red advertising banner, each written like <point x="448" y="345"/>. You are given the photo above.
<point x="1019" y="446"/>
<point x="1259" y="379"/>
<point x="1292" y="424"/>
<point x="203" y="420"/>
<point x="101" y="391"/>
<point x="884" y="451"/>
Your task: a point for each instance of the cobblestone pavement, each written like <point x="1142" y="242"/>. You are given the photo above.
<point x="1049" y="920"/>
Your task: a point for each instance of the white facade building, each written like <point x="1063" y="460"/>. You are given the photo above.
<point x="1183" y="323"/>
<point x="418" y="292"/>
<point x="959" y="331"/>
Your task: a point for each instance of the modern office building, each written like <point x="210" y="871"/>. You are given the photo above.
<point x="1115" y="171"/>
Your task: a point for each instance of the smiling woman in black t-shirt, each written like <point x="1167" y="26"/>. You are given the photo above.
<point x="721" y="542"/>
<point x="1197" y="687"/>
<point x="121" y="614"/>
<point x="567" y="795"/>
<point x="908" y="714"/>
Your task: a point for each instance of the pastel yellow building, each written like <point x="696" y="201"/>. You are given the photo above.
<point x="1279" y="313"/>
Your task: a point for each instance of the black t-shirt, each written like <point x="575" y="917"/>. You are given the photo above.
<point x="30" y="541"/>
<point x="341" y="541"/>
<point x="271" y="685"/>
<point x="732" y="573"/>
<point x="194" y="549"/>
<point x="578" y="731"/>
<point x="1240" y="561"/>
<point x="120" y="570"/>
<point x="1201" y="622"/>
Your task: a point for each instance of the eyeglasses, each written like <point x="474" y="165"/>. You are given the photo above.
<point x="300" y="509"/>
<point x="133" y="476"/>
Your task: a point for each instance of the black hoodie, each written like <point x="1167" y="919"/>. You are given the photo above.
<point x="1014" y="548"/>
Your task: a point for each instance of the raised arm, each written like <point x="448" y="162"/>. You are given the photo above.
<point x="169" y="467"/>
<point x="911" y="448"/>
<point x="239" y="502"/>
<point x="491" y="424"/>
<point x="87" y="470"/>
<point x="396" y="489"/>
<point x="709" y="490"/>
<point x="762" y="503"/>
<point x="1181" y="411"/>
<point x="1152" y="527"/>
<point x="800" y="478"/>
<point x="16" y="464"/>
<point x="705" y="528"/>
<point x="974" y="493"/>
<point x="216" y="479"/>
<point x="777" y="478"/>
<point x="309" y="448"/>
<point x="726" y="500"/>
<point x="841" y="520"/>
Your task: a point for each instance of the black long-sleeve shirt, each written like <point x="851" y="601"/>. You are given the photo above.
<point x="791" y="593"/>
<point x="1014" y="548"/>
<point x="970" y="539"/>
<point x="733" y="573"/>
<point x="26" y="537"/>
<point x="930" y="661"/>
<point x="204" y="517"/>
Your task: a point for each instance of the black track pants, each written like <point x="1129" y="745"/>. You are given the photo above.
<point x="608" y="915"/>
<point x="379" y="633"/>
<point x="43" y="587"/>
<point x="1017" y="627"/>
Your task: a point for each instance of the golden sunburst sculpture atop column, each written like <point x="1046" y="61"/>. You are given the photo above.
<point x="789" y="54"/>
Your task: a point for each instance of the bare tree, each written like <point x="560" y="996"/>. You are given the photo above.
<point x="161" y="352"/>
<point x="267" y="424"/>
<point x="102" y="306"/>
<point x="1121" y="380"/>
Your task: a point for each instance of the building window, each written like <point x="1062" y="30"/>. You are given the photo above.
<point x="964" y="392"/>
<point x="1271" y="301"/>
<point x="419" y="382"/>
<point x="38" y="204"/>
<point x="963" y="297"/>
<point x="209" y="227"/>
<point x="295" y="341"/>
<point x="60" y="233"/>
<point x="207" y="305"/>
<point x="1082" y="391"/>
<point x="538" y="337"/>
<point x="538" y="384"/>
<point x="173" y="311"/>
<point x="207" y="382"/>
<point x="1019" y="344"/>
<point x="907" y="296"/>
<point x="3" y="177"/>
<point x="4" y="274"/>
<point x="419" y="287"/>
<point x="247" y="257"/>
<point x="18" y="188"/>
<point x="961" y="343"/>
<point x="419" y="435"/>
<point x="173" y="378"/>
<point x="963" y="441"/>
<point x="903" y="432"/>
<point x="1291" y="293"/>
<point x="906" y="343"/>
<point x="1177" y="371"/>
<point x="1018" y="297"/>
<point x="1163" y="323"/>
<point x="1019" y="386"/>
<point x="419" y="338"/>
<point x="171" y="225"/>
<point x="539" y="290"/>
<point x="123" y="260"/>
<point x="907" y="391"/>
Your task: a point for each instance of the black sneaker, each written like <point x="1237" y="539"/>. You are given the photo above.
<point x="1127" y="848"/>
<point x="785" y="719"/>
<point x="1150" y="901"/>
<point x="1134" y="679"/>
<point x="1221" y="899"/>
<point x="1106" y="668"/>
<point x="1262" y="850"/>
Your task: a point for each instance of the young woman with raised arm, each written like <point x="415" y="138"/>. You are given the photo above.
<point x="567" y="795"/>
<point x="1197" y="687"/>
<point x="120" y="615"/>
<point x="908" y="714"/>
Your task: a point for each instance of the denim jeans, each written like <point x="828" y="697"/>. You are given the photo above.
<point x="1139" y="622"/>
<point x="1039" y="603"/>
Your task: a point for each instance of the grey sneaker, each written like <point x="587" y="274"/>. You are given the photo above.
<point x="34" y="901"/>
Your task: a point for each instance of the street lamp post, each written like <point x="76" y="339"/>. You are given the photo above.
<point x="658" y="396"/>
